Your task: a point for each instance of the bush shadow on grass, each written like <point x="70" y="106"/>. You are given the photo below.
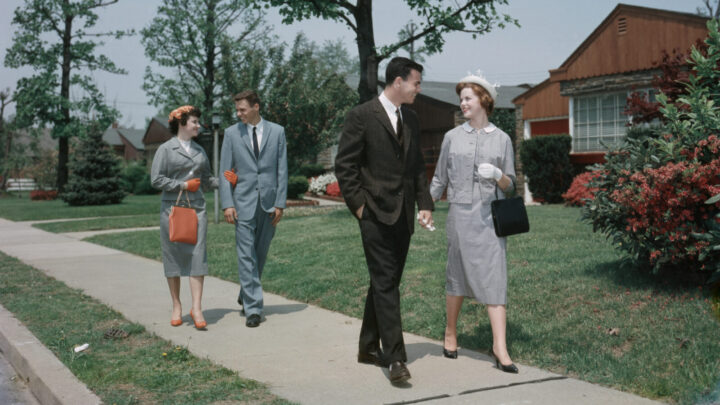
<point x="623" y="273"/>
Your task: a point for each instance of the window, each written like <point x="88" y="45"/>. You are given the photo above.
<point x="599" y="118"/>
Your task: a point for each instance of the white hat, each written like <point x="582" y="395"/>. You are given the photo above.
<point x="479" y="79"/>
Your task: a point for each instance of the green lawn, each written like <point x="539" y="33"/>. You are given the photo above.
<point x="23" y="209"/>
<point x="567" y="289"/>
<point x="139" y="369"/>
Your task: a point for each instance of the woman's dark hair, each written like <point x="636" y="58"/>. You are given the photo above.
<point x="400" y="67"/>
<point x="180" y="117"/>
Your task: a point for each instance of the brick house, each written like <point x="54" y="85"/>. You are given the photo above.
<point x="586" y="95"/>
<point x="125" y="142"/>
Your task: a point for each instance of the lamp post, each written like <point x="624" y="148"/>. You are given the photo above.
<point x="215" y="126"/>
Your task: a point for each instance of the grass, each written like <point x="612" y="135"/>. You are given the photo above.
<point x="99" y="224"/>
<point x="141" y="368"/>
<point x="23" y="209"/>
<point x="567" y="290"/>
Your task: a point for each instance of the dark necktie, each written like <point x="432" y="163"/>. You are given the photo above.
<point x="399" y="129"/>
<point x="256" y="150"/>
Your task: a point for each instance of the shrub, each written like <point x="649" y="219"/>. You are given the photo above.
<point x="546" y="163"/>
<point x="43" y="195"/>
<point x="319" y="184"/>
<point x="655" y="194"/>
<point x="144" y="186"/>
<point x="132" y="174"/>
<point x="312" y="170"/>
<point x="94" y="176"/>
<point x="580" y="192"/>
<point x="297" y="185"/>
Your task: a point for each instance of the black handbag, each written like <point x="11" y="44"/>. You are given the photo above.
<point x="509" y="216"/>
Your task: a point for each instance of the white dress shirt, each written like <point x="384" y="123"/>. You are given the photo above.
<point x="185" y="145"/>
<point x="390" y="109"/>
<point x="260" y="125"/>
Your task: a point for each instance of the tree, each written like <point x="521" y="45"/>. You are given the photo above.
<point x="305" y="91"/>
<point x="471" y="16"/>
<point x="192" y="37"/>
<point x="94" y="179"/>
<point x="44" y="98"/>
<point x="711" y="9"/>
<point x="6" y="137"/>
<point x="408" y="31"/>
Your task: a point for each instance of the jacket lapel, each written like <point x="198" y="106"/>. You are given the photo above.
<point x="266" y="134"/>
<point x="245" y="138"/>
<point x="179" y="148"/>
<point x="382" y="116"/>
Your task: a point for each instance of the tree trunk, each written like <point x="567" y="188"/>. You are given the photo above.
<point x="62" y="173"/>
<point x="367" y="88"/>
<point x="209" y="64"/>
<point x="8" y="146"/>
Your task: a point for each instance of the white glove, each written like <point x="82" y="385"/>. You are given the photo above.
<point x="488" y="171"/>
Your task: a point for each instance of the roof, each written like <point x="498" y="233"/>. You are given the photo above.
<point x="113" y="137"/>
<point x="445" y="92"/>
<point x="134" y="136"/>
<point x="629" y="39"/>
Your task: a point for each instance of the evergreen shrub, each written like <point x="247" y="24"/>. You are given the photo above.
<point x="297" y="185"/>
<point x="312" y="170"/>
<point x="546" y="164"/>
<point x="95" y="173"/>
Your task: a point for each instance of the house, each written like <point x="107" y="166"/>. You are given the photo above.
<point x="586" y="95"/>
<point x="125" y="142"/>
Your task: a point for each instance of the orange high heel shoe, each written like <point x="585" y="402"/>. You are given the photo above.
<point x="175" y="322"/>
<point x="198" y="325"/>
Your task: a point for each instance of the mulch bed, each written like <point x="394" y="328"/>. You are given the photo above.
<point x="300" y="203"/>
<point x="325" y="197"/>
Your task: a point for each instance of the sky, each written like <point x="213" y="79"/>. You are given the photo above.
<point x="550" y="30"/>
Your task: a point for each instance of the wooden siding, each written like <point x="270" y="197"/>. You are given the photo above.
<point x="543" y="101"/>
<point x="631" y="39"/>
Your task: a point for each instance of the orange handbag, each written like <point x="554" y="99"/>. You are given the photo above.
<point x="183" y="223"/>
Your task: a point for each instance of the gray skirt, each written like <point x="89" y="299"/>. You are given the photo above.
<point x="477" y="265"/>
<point x="182" y="259"/>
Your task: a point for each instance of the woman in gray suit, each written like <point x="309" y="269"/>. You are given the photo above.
<point x="181" y="165"/>
<point x="475" y="166"/>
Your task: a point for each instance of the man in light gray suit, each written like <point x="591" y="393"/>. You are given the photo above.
<point x="256" y="148"/>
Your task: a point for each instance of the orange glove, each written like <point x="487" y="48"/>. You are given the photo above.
<point x="192" y="185"/>
<point x="231" y="177"/>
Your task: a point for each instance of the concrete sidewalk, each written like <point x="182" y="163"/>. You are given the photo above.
<point x="304" y="353"/>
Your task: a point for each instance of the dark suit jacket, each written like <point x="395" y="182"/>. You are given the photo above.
<point x="374" y="169"/>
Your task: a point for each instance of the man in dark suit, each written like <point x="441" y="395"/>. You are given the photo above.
<point x="381" y="173"/>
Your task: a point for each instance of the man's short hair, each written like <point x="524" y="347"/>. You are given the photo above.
<point x="250" y="95"/>
<point x="400" y="67"/>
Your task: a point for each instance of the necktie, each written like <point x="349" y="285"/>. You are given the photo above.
<point x="256" y="150"/>
<point x="399" y="129"/>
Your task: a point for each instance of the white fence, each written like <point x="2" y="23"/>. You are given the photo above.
<point x="21" y="185"/>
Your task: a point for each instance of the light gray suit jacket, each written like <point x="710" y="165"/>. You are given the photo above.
<point x="172" y="167"/>
<point x="265" y="177"/>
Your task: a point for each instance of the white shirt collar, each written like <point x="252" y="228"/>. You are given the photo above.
<point x="389" y="107"/>
<point x="260" y="125"/>
<point x="489" y="128"/>
<point x="185" y="144"/>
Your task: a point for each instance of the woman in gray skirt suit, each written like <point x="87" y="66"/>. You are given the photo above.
<point x="182" y="165"/>
<point x="476" y="160"/>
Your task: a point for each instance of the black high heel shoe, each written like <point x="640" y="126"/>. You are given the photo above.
<point x="450" y="354"/>
<point x="508" y="369"/>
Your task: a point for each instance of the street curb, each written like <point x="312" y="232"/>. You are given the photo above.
<point x="47" y="377"/>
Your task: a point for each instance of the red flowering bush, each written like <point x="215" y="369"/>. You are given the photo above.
<point x="658" y="195"/>
<point x="580" y="191"/>
<point x="43" y="195"/>
<point x="333" y="189"/>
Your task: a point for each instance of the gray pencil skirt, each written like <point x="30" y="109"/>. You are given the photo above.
<point x="182" y="259"/>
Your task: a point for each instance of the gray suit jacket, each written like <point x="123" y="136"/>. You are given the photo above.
<point x="265" y="177"/>
<point x="172" y="167"/>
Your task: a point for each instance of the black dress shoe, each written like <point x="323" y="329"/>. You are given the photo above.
<point x="508" y="369"/>
<point x="450" y="354"/>
<point x="253" y="321"/>
<point x="398" y="372"/>
<point x="372" y="358"/>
